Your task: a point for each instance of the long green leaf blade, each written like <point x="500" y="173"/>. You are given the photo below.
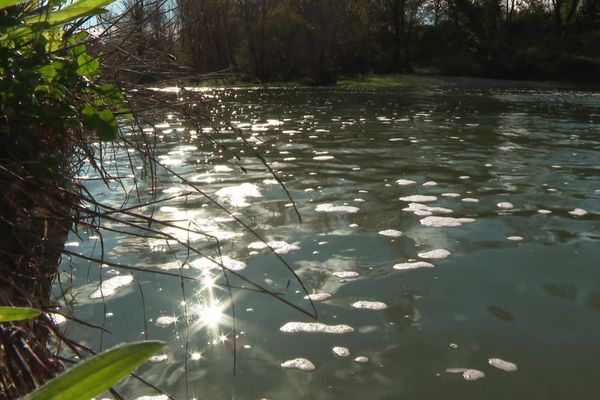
<point x="8" y="3"/>
<point x="97" y="374"/>
<point x="17" y="313"/>
<point x="78" y="9"/>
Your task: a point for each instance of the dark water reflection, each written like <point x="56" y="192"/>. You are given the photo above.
<point x="532" y="300"/>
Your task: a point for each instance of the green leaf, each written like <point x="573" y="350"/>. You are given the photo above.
<point x="78" y="9"/>
<point x="98" y="373"/>
<point x="88" y="65"/>
<point x="17" y="313"/>
<point x="8" y="3"/>
<point x="48" y="71"/>
<point x="103" y="122"/>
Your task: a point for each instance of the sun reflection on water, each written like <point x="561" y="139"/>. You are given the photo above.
<point x="208" y="310"/>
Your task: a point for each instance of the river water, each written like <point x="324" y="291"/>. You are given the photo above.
<point x="507" y="182"/>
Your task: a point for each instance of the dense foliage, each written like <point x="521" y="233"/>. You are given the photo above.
<point x="318" y="40"/>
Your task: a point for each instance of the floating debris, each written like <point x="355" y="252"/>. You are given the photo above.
<point x="369" y="305"/>
<point x="341" y="351"/>
<point x="473" y="374"/>
<point x="436" y="254"/>
<point x="315" y="327"/>
<point x="299" y="363"/>
<point x="502" y="364"/>
<point x="318" y="296"/>
<point x="327" y="207"/>
<point x="109" y="287"/>
<point x="417" y="198"/>
<point x="390" y="233"/>
<point x="346" y="274"/>
<point x="445" y="222"/>
<point x="413" y="265"/>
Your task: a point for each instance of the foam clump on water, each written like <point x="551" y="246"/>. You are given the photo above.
<point x="503" y="364"/>
<point x="451" y="194"/>
<point x="515" y="238"/>
<point x="346" y="274"/>
<point x="299" y="363"/>
<point x="578" y="212"/>
<point x="341" y="351"/>
<point x="109" y="287"/>
<point x="470" y="200"/>
<point x="444" y="222"/>
<point x="544" y="211"/>
<point x="166" y="320"/>
<point x="418" y="198"/>
<point x="362" y="359"/>
<point x="158" y="358"/>
<point x="279" y="246"/>
<point x="405" y="182"/>
<point x="328" y="207"/>
<point x="390" y="233"/>
<point x="206" y="263"/>
<point x="423" y="210"/>
<point x="156" y="397"/>
<point x="315" y="327"/>
<point x="430" y="183"/>
<point x="412" y="265"/>
<point x="237" y="195"/>
<point x="436" y="254"/>
<point x="505" y="205"/>
<point x="369" y="305"/>
<point x="473" y="374"/>
<point x="318" y="296"/>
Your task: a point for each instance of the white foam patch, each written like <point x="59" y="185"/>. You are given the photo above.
<point x="166" y="320"/>
<point x="109" y="287"/>
<point x="390" y="233"/>
<point x="299" y="363"/>
<point x="237" y="195"/>
<point x="473" y="374"/>
<point x="279" y="246"/>
<point x="346" y="274"/>
<point x="470" y="200"/>
<point x="451" y="194"/>
<point x="505" y="205"/>
<point x="430" y="183"/>
<point x="362" y="359"/>
<point x="156" y="397"/>
<point x="158" y="358"/>
<point x="315" y="327"/>
<point x="405" y="182"/>
<point x="578" y="212"/>
<point x="323" y="158"/>
<point x="341" y="351"/>
<point x="503" y="364"/>
<point x="222" y="168"/>
<point x="206" y="263"/>
<point x="369" y="305"/>
<point x="327" y="207"/>
<point x="454" y="370"/>
<point x="436" y="254"/>
<point x="418" y="198"/>
<point x="444" y="222"/>
<point x="423" y="209"/>
<point x="515" y="238"/>
<point x="318" y="296"/>
<point x="544" y="211"/>
<point x="412" y="265"/>
<point x="58" y="319"/>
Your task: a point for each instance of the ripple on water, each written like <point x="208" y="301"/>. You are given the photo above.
<point x="418" y="198"/>
<point x="315" y="327"/>
<point x="412" y="265"/>
<point x="301" y="364"/>
<point x="109" y="287"/>
<point x="390" y="233"/>
<point x="436" y="254"/>
<point x="369" y="305"/>
<point x="503" y="364"/>
<point x="445" y="222"/>
<point x="330" y="208"/>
